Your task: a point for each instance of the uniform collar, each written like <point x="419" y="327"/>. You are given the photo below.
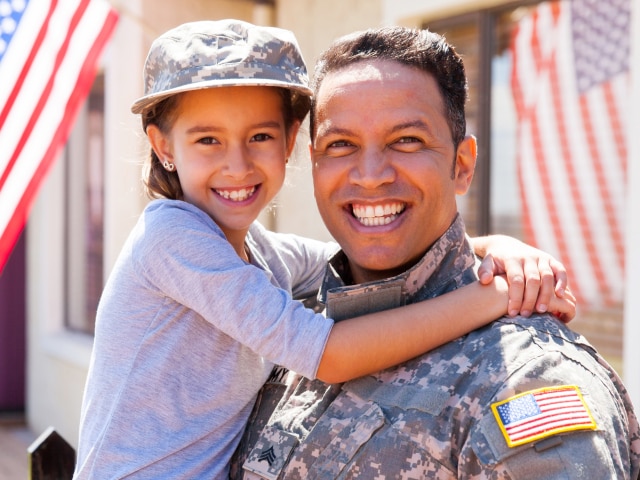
<point x="450" y="257"/>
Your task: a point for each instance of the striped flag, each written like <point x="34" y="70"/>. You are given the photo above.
<point x="49" y="52"/>
<point x="570" y="85"/>
<point x="541" y="413"/>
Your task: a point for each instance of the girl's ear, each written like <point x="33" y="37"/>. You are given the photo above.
<point x="160" y="143"/>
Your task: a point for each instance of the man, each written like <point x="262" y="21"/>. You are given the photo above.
<point x="519" y="398"/>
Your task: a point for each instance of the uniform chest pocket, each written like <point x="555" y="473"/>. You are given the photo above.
<point x="354" y="433"/>
<point x="338" y="435"/>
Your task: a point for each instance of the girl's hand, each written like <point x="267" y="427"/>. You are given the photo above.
<point x="537" y="281"/>
<point x="564" y="308"/>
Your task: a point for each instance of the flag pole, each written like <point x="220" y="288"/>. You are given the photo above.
<point x="125" y="10"/>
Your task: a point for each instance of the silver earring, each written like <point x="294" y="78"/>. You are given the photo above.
<point x="169" y="167"/>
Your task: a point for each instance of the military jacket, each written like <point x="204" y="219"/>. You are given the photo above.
<point x="522" y="398"/>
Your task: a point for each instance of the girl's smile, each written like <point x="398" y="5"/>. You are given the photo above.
<point x="237" y="195"/>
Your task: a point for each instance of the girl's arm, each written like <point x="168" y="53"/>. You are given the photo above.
<point x="373" y="342"/>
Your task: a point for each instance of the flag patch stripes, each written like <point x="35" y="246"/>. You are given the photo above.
<point x="538" y="414"/>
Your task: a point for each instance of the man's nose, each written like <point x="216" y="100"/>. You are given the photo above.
<point x="372" y="169"/>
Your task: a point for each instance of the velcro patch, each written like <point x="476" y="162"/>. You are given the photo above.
<point x="540" y="413"/>
<point x="272" y="450"/>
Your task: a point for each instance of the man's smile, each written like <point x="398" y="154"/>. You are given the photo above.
<point x="376" y="215"/>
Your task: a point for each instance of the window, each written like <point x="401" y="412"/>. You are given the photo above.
<point x="84" y="177"/>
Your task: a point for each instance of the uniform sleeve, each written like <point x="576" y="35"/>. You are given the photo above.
<point x="559" y="416"/>
<point x="186" y="258"/>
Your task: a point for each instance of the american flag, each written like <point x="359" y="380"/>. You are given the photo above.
<point x="570" y="85"/>
<point x="540" y="413"/>
<point x="49" y="52"/>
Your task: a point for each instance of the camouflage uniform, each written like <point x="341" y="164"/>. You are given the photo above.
<point x="432" y="417"/>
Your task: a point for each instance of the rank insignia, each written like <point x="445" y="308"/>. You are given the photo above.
<point x="270" y="454"/>
<point x="540" y="413"/>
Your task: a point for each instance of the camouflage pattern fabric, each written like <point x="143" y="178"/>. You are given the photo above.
<point x="431" y="417"/>
<point x="221" y="53"/>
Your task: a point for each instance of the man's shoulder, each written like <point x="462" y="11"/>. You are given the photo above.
<point x="517" y="340"/>
<point x="544" y="331"/>
<point x="477" y="364"/>
<point x="511" y="342"/>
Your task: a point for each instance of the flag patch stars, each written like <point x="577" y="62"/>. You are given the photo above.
<point x="538" y="414"/>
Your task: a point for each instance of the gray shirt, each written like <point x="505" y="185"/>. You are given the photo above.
<point x="186" y="334"/>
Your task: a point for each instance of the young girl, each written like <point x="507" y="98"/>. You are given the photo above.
<point x="198" y="307"/>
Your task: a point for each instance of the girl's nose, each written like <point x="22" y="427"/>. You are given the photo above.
<point x="238" y="163"/>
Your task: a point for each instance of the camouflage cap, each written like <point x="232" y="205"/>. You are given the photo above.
<point x="221" y="53"/>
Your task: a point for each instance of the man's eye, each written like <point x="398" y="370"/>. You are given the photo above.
<point x="408" y="140"/>
<point x="407" y="144"/>
<point x="339" y="144"/>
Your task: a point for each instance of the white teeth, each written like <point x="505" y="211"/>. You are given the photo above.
<point x="236" y="195"/>
<point x="371" y="216"/>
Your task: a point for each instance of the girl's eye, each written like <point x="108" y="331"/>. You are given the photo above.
<point x="208" y="140"/>
<point x="261" y="137"/>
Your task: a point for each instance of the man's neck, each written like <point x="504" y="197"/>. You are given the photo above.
<point x="359" y="275"/>
<point x="447" y="265"/>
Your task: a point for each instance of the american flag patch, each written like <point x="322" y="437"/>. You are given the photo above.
<point x="538" y="414"/>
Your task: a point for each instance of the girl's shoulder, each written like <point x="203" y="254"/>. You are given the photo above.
<point x="271" y="243"/>
<point x="169" y="217"/>
<point x="165" y="221"/>
<point x="297" y="262"/>
<point x="174" y="211"/>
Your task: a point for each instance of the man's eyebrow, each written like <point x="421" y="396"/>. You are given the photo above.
<point x="334" y="130"/>
<point x="412" y="124"/>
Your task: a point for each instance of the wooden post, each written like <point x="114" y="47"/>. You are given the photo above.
<point x="51" y="457"/>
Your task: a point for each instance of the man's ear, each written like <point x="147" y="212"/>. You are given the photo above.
<point x="160" y="143"/>
<point x="465" y="164"/>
